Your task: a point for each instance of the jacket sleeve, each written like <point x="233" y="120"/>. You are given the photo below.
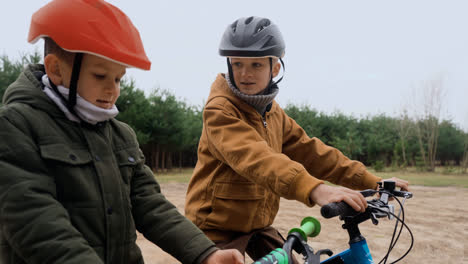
<point x="324" y="162"/>
<point x="237" y="144"/>
<point x="161" y="223"/>
<point x="35" y="225"/>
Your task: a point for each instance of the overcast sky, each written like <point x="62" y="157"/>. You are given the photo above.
<point x="357" y="57"/>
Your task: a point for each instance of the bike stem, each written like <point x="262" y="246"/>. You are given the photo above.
<point x="351" y="225"/>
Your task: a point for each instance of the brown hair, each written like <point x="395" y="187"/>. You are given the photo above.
<point x="50" y="47"/>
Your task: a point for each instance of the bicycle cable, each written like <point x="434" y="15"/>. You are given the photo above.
<point x="394" y="240"/>
<point x="402" y="211"/>
<point x="412" y="238"/>
<point x="403" y="224"/>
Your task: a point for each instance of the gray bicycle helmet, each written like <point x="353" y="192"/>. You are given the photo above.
<point x="252" y="37"/>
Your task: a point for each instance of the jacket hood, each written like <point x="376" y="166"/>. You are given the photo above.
<point x="27" y="89"/>
<point x="220" y="88"/>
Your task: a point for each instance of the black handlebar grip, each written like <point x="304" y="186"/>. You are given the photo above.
<point x="334" y="209"/>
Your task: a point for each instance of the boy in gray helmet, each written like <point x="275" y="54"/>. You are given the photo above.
<point x="251" y="152"/>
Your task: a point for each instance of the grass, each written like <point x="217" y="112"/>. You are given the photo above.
<point x="440" y="178"/>
<point x="434" y="179"/>
<point x="176" y="175"/>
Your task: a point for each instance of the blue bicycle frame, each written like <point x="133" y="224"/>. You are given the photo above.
<point x="358" y="253"/>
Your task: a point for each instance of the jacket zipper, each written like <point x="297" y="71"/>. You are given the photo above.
<point x="264" y="121"/>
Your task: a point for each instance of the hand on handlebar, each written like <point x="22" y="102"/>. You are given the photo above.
<point x="404" y="185"/>
<point x="325" y="194"/>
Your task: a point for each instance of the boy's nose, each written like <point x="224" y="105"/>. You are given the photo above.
<point x="112" y="85"/>
<point x="245" y="72"/>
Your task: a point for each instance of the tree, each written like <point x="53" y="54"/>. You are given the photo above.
<point x="451" y="143"/>
<point x="191" y="132"/>
<point x="465" y="154"/>
<point x="379" y="135"/>
<point x="307" y="118"/>
<point x="428" y="121"/>
<point x="404" y="125"/>
<point x="134" y="109"/>
<point x="167" y="129"/>
<point x="345" y="135"/>
<point x="166" y="126"/>
<point x="10" y="70"/>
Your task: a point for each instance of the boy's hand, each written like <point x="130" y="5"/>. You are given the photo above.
<point x="226" y="256"/>
<point x="325" y="194"/>
<point x="404" y="185"/>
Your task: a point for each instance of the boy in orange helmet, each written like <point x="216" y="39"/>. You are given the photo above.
<point x="73" y="184"/>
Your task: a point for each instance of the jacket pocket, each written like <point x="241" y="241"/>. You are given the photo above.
<point x="65" y="154"/>
<point x="128" y="159"/>
<point x="74" y="173"/>
<point x="236" y="206"/>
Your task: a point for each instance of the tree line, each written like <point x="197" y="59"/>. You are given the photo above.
<point x="168" y="129"/>
<point x="381" y="140"/>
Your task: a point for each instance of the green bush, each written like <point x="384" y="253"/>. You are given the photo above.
<point x="379" y="166"/>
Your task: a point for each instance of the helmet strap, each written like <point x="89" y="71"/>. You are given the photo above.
<point x="71" y="102"/>
<point x="271" y="66"/>
<point x="54" y="87"/>
<point x="231" y="74"/>
<point x="74" y="81"/>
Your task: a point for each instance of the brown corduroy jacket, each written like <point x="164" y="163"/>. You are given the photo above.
<point x="246" y="162"/>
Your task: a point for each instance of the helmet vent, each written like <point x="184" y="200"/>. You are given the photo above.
<point x="234" y="27"/>
<point x="251" y="37"/>
<point x="262" y="24"/>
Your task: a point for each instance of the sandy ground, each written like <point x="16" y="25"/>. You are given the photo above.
<point x="438" y="218"/>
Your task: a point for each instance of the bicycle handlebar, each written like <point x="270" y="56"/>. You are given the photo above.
<point x="310" y="227"/>
<point x="334" y="209"/>
<point x="343" y="209"/>
<point x="297" y="241"/>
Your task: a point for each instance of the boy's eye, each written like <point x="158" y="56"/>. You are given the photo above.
<point x="99" y="76"/>
<point x="257" y="65"/>
<point x="236" y="64"/>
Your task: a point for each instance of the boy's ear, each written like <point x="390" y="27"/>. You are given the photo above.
<point x="53" y="69"/>
<point x="276" y="69"/>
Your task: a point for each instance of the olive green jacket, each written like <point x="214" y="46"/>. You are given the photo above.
<point x="76" y="193"/>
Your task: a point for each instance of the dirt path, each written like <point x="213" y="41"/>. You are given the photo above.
<point x="438" y="218"/>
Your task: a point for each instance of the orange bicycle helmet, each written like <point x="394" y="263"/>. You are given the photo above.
<point x="90" y="26"/>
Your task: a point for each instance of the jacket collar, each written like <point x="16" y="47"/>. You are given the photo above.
<point x="220" y="88"/>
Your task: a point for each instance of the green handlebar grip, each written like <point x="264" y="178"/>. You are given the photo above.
<point x="310" y="227"/>
<point x="277" y="256"/>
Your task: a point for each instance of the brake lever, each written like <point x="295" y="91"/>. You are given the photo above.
<point x="368" y="192"/>
<point x="403" y="194"/>
<point x="313" y="258"/>
<point x="384" y="210"/>
<point x="374" y="219"/>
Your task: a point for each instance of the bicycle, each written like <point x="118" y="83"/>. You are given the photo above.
<point x="358" y="252"/>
